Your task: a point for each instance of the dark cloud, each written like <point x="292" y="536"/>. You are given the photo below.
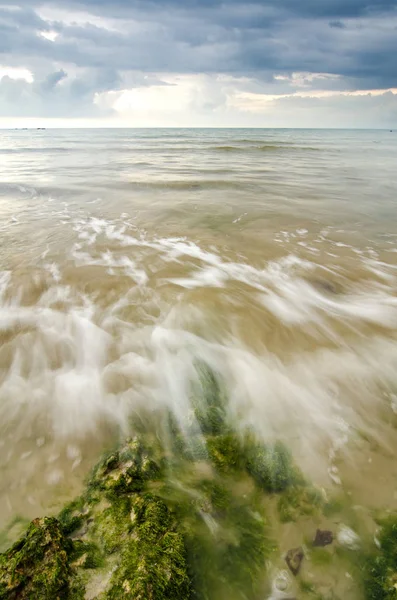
<point x="306" y="8"/>
<point x="52" y="80"/>
<point x="337" y="24"/>
<point x="113" y="40"/>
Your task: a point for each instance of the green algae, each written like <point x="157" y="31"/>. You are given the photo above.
<point x="226" y="453"/>
<point x="86" y="555"/>
<point x="228" y="542"/>
<point x="380" y="568"/>
<point x="125" y="471"/>
<point x="181" y="514"/>
<point x="209" y="401"/>
<point x="37" y="566"/>
<point x="112" y="526"/>
<point x="272" y="467"/>
<point x="153" y="562"/>
<point x="299" y="501"/>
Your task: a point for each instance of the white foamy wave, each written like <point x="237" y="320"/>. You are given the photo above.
<point x="296" y="301"/>
<point x="73" y="364"/>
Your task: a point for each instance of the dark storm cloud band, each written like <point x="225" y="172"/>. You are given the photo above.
<point x="353" y="39"/>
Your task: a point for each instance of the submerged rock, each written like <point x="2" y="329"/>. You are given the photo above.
<point x="116" y="534"/>
<point x="152" y="563"/>
<point x="380" y="568"/>
<point x="37" y="566"/>
<point x="348" y="538"/>
<point x="153" y="524"/>
<point x="323" y="538"/>
<point x="294" y="560"/>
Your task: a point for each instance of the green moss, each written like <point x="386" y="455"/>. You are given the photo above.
<point x="73" y="515"/>
<point x="227" y="540"/>
<point x="206" y="535"/>
<point x="380" y="569"/>
<point x="125" y="471"/>
<point x="86" y="555"/>
<point x="187" y="448"/>
<point x="37" y="565"/>
<point x="226" y="452"/>
<point x="209" y="402"/>
<point x="271" y="467"/>
<point x="112" y="525"/>
<point x="298" y="501"/>
<point x="153" y="561"/>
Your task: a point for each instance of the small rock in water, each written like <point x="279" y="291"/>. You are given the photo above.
<point x="333" y="473"/>
<point x="348" y="538"/>
<point x="282" y="582"/>
<point x="323" y="538"/>
<point x="326" y="286"/>
<point x="294" y="560"/>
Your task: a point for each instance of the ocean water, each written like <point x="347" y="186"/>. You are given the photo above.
<point x="126" y="255"/>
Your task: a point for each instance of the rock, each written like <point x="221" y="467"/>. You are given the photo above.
<point x="348" y="538"/>
<point x="323" y="538"/>
<point x="37" y="565"/>
<point x="294" y="560"/>
<point x="136" y="534"/>
<point x="326" y="286"/>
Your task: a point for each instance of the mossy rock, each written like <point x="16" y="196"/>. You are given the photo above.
<point x="125" y="471"/>
<point x="227" y="539"/>
<point x="112" y="526"/>
<point x="209" y="401"/>
<point x="157" y="523"/>
<point x="380" y="569"/>
<point x="153" y="562"/>
<point x="271" y="467"/>
<point x="299" y="501"/>
<point x="226" y="452"/>
<point x="37" y="566"/>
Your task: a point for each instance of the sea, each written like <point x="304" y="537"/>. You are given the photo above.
<point x="126" y="255"/>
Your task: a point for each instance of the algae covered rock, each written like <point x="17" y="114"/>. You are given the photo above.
<point x="272" y="467"/>
<point x="380" y="570"/>
<point x="294" y="560"/>
<point x="125" y="471"/>
<point x="228" y="542"/>
<point x="299" y="500"/>
<point x="116" y="541"/>
<point x="209" y="402"/>
<point x="163" y="518"/>
<point x="37" y="566"/>
<point x="153" y="562"/>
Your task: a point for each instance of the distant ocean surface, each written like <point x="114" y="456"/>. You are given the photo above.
<point x="127" y="255"/>
<point x="325" y="176"/>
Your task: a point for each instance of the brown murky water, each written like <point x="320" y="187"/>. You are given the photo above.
<point x="125" y="256"/>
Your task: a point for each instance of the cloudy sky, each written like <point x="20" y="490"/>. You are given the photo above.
<point x="266" y="63"/>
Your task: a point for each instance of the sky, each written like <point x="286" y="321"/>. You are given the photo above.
<point x="198" y="63"/>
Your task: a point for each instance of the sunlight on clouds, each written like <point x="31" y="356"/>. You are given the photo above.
<point x="259" y="103"/>
<point x="306" y="79"/>
<point x="178" y="93"/>
<point x="49" y="35"/>
<point x="217" y="100"/>
<point x="16" y="73"/>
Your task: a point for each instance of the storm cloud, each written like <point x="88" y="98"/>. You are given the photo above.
<point x="79" y="50"/>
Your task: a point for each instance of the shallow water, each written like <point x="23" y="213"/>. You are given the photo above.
<point x="128" y="255"/>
